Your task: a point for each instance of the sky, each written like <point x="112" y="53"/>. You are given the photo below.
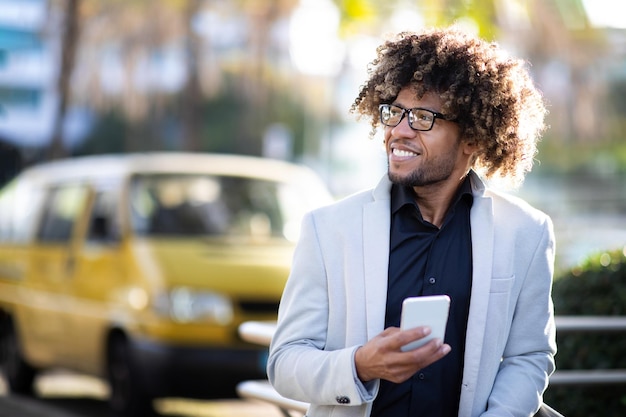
<point x="606" y="13"/>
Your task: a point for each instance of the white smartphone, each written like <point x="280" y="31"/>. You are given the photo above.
<point x="428" y="310"/>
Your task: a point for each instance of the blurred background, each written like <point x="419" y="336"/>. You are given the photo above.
<point x="277" y="78"/>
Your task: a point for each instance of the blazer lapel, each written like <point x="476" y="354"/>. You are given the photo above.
<point x="481" y="219"/>
<point x="376" y="224"/>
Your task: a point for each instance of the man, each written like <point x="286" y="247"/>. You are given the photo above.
<point x="451" y="106"/>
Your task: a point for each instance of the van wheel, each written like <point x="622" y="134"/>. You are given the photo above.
<point x="19" y="374"/>
<point x="127" y="398"/>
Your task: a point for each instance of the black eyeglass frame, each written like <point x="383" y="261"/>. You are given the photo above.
<point x="435" y="114"/>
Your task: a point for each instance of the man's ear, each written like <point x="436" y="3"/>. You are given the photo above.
<point x="469" y="146"/>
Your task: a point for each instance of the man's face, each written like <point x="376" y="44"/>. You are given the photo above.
<point x="423" y="158"/>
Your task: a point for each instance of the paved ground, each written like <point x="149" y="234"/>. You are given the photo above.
<point x="66" y="395"/>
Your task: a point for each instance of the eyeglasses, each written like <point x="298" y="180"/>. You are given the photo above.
<point x="419" y="119"/>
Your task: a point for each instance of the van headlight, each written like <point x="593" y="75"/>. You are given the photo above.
<point x="186" y="305"/>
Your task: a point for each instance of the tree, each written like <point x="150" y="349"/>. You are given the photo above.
<point x="69" y="43"/>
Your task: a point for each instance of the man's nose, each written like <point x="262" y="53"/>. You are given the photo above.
<point x="403" y="129"/>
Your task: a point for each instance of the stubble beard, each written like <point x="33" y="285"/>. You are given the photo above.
<point x="436" y="171"/>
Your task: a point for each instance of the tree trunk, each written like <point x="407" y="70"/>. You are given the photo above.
<point x="69" y="43"/>
<point x="192" y="97"/>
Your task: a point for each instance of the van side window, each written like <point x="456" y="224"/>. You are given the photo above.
<point x="203" y="205"/>
<point x="103" y="224"/>
<point x="64" y="206"/>
<point x="20" y="202"/>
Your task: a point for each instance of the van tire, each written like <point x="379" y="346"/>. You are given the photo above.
<point x="127" y="398"/>
<point x="18" y="373"/>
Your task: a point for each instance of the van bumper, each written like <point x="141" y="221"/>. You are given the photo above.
<point x="196" y="372"/>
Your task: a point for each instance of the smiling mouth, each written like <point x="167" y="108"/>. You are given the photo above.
<point x="403" y="153"/>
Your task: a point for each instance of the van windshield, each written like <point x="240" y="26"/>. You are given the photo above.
<point x="192" y="205"/>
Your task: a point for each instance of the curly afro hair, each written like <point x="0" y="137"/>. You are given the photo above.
<point x="490" y="95"/>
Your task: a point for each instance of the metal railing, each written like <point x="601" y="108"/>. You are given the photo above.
<point x="589" y="324"/>
<point x="261" y="333"/>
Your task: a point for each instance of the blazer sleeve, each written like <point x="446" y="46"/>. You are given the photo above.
<point x="299" y="367"/>
<point x="528" y="362"/>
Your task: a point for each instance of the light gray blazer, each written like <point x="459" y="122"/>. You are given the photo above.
<point x="334" y="301"/>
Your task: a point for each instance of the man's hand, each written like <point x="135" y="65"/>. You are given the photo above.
<point x="382" y="358"/>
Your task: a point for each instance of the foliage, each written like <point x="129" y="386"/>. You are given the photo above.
<point x="602" y="157"/>
<point x="617" y="107"/>
<point x="598" y="287"/>
<point x="617" y="96"/>
<point x="107" y="135"/>
<point x="229" y="124"/>
<point x="138" y="32"/>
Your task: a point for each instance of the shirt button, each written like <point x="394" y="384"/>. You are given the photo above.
<point x="421" y="375"/>
<point x="432" y="280"/>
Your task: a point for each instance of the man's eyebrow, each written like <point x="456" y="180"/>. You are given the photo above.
<point x="416" y="107"/>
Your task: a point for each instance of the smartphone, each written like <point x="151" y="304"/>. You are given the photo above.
<point x="428" y="310"/>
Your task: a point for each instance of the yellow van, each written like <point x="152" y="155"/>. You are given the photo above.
<point x="139" y="269"/>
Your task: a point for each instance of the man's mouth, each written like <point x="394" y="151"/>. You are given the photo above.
<point x="403" y="153"/>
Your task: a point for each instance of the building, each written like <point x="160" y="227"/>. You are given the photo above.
<point x="27" y="73"/>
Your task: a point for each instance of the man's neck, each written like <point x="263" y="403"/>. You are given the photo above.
<point x="434" y="200"/>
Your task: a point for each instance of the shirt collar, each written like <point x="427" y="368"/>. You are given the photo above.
<point x="403" y="195"/>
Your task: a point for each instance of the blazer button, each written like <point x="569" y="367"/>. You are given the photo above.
<point x="343" y="400"/>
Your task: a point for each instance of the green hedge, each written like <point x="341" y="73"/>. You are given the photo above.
<point x="596" y="288"/>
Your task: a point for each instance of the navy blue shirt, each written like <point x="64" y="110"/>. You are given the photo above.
<point x="427" y="260"/>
